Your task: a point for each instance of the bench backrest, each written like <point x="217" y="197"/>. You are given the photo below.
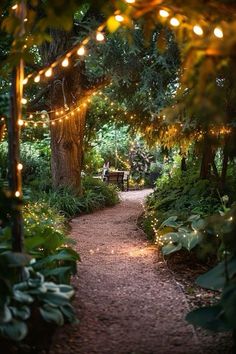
<point x="115" y="177"/>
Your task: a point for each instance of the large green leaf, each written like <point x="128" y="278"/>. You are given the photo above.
<point x="190" y="240"/>
<point x="228" y="302"/>
<point x="69" y="313"/>
<point x="216" y="278"/>
<point x="5" y="314"/>
<point x="212" y="318"/>
<point x="171" y="248"/>
<point x="55" y="299"/>
<point x="171" y="222"/>
<point x="61" y="274"/>
<point x="22" y="297"/>
<point x="52" y="314"/>
<point x="14" y="259"/>
<point x="15" y="330"/>
<point x="22" y="312"/>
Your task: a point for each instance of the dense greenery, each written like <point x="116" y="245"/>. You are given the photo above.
<point x="182" y="102"/>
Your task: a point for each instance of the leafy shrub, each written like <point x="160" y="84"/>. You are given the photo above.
<point x="35" y="158"/>
<point x="222" y="315"/>
<point x="20" y="301"/>
<point x="176" y="234"/>
<point x="96" y="195"/>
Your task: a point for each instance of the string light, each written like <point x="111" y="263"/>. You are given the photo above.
<point x="218" y="32"/>
<point x="174" y="22"/>
<point x="81" y="51"/>
<point x="198" y="30"/>
<point x="20" y="122"/>
<point x="23" y="100"/>
<point x="164" y="13"/>
<point x="14" y="7"/>
<point x="17" y="194"/>
<point x="65" y="62"/>
<point x="25" y="81"/>
<point x="48" y="73"/>
<point x="19" y="166"/>
<point x="119" y="18"/>
<point x="37" y="78"/>
<point x="130" y="1"/>
<point x="100" y="37"/>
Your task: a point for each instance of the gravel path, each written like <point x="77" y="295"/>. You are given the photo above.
<point x="127" y="301"/>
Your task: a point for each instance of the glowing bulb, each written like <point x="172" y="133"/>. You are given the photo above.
<point x="218" y="32"/>
<point x="37" y="78"/>
<point x="19" y="166"/>
<point x="25" y="81"/>
<point x="65" y="62"/>
<point x="35" y="125"/>
<point x="119" y="18"/>
<point x="53" y="123"/>
<point x="44" y="125"/>
<point x="174" y="22"/>
<point x="100" y="37"/>
<point x="81" y="51"/>
<point x="164" y="13"/>
<point x="20" y="122"/>
<point x="17" y="194"/>
<point x="14" y="7"/>
<point x="198" y="30"/>
<point x="42" y="116"/>
<point x="48" y="73"/>
<point x="130" y="1"/>
<point x="23" y="100"/>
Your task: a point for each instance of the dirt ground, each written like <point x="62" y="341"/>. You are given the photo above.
<point x="127" y="300"/>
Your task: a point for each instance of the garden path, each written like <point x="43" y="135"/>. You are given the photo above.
<point x="127" y="301"/>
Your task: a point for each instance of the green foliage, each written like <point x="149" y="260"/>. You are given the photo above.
<point x="19" y="300"/>
<point x="35" y="158"/>
<point x="222" y="316"/>
<point x="95" y="195"/>
<point x="183" y="194"/>
<point x="184" y="234"/>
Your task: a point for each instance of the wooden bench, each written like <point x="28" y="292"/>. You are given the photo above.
<point x="118" y="178"/>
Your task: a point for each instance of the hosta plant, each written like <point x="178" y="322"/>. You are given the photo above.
<point x="175" y="234"/>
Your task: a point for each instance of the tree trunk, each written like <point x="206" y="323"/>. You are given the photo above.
<point x="207" y="159"/>
<point x="67" y="150"/>
<point x="70" y="86"/>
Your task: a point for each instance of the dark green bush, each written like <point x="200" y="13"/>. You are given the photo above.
<point x="95" y="195"/>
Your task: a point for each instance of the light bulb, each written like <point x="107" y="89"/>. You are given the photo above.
<point x="119" y="18"/>
<point x="100" y="37"/>
<point x="218" y="32"/>
<point x="65" y="62"/>
<point x="23" y="100"/>
<point x="20" y="122"/>
<point x="130" y="1"/>
<point x="37" y="78"/>
<point x="14" y="7"/>
<point x="25" y="81"/>
<point x="164" y="13"/>
<point x="48" y="73"/>
<point x="19" y="166"/>
<point x="17" y="194"/>
<point x="81" y="51"/>
<point x="174" y="22"/>
<point x="198" y="30"/>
